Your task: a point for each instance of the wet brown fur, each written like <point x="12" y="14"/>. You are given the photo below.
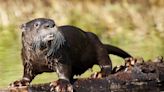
<point x="73" y="55"/>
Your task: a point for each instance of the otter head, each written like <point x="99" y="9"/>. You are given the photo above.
<point x="41" y="33"/>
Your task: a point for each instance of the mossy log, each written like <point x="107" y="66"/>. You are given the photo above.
<point x="139" y="76"/>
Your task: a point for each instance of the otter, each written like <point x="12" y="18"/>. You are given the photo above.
<point x="66" y="50"/>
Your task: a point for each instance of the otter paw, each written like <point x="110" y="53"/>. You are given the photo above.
<point x="19" y="83"/>
<point x="97" y="75"/>
<point x="61" y="86"/>
<point x="18" y="89"/>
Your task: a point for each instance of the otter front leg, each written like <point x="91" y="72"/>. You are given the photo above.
<point x="105" y="71"/>
<point x="64" y="74"/>
<point x="27" y="76"/>
<point x="104" y="63"/>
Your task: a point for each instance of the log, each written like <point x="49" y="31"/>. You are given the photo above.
<point x="138" y="77"/>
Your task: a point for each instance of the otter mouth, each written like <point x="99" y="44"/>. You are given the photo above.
<point x="43" y="42"/>
<point x="48" y="38"/>
<point x="44" y="39"/>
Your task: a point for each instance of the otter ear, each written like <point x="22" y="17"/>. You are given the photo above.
<point x="23" y="27"/>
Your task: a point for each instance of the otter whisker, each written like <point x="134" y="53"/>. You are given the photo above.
<point x="53" y="39"/>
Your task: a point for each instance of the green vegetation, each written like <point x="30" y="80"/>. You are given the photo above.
<point x="136" y="26"/>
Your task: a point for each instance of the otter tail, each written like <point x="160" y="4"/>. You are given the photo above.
<point x="116" y="51"/>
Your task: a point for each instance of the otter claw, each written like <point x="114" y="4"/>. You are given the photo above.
<point x="61" y="86"/>
<point x="96" y="75"/>
<point x="19" y="83"/>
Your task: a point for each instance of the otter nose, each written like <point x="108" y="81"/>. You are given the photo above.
<point x="49" y="25"/>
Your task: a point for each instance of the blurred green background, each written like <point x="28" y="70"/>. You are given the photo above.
<point x="136" y="26"/>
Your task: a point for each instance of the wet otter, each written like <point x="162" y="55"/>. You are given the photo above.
<point x="67" y="50"/>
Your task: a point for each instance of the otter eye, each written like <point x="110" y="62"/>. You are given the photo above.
<point x="47" y="26"/>
<point x="36" y="24"/>
<point x="53" y="25"/>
